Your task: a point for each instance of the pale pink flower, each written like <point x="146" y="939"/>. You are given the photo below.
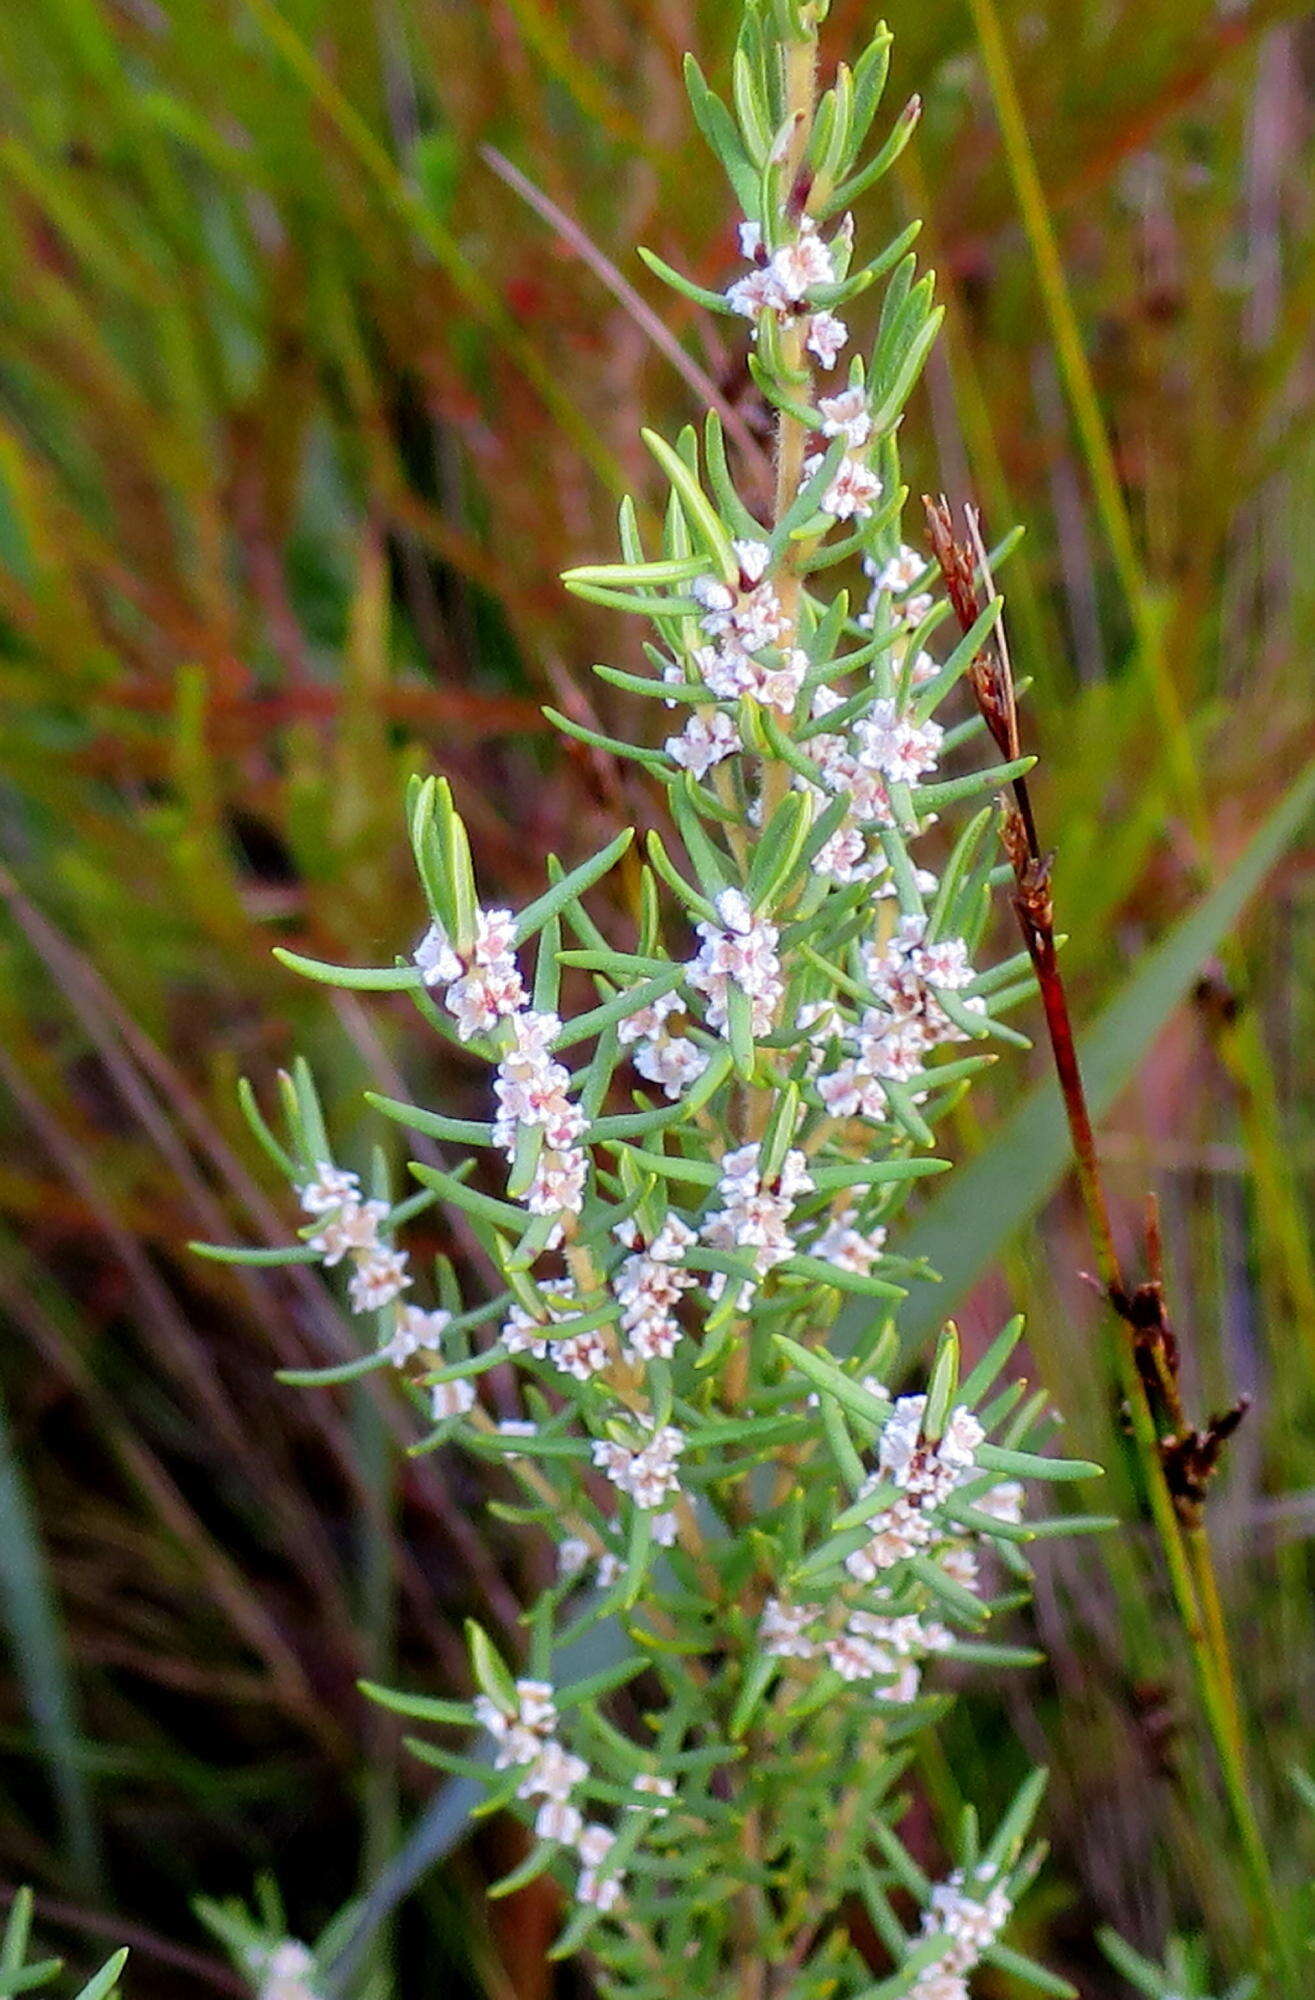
<point x="826" y="336"/>
<point x="784" y="1630"/>
<point x="647" y="1021"/>
<point x="555" y="1821"/>
<point x="897" y="747"/>
<point x="582" y="1354"/>
<point x="703" y="742"/>
<point x="451" y="1399"/>
<point x="846" y="415"/>
<point x="673" y="1062"/>
<point x="554" y="1774"/>
<point x="416" y="1332"/>
<point x="332" y="1187"/>
<point x="351" y="1227"/>
<point x="379" y="1276"/>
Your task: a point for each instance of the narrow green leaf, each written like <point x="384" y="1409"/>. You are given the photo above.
<point x="41" y="1661"/>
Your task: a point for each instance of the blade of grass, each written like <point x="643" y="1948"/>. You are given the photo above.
<point x="42" y="1661"/>
<point x="478" y="295"/>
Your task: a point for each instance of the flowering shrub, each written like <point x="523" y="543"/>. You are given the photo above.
<point x="700" y="1168"/>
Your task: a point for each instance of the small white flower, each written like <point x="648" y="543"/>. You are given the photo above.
<point x="555" y="1821"/>
<point x="582" y="1354"/>
<point x="595" y="1844"/>
<point x="703" y="742"/>
<point x="757" y="293"/>
<point x="846" y="415"/>
<point x="451" y="1399"/>
<point x="754" y="1215"/>
<point x="379" y="1276"/>
<point x="854" y="491"/>
<point x="648" y="1021"/>
<point x="751" y="237"/>
<point x="438" y="962"/>
<point x="648" y="1475"/>
<point x="520" y="1737"/>
<point x="416" y="1332"/>
<point x="900" y="1531"/>
<point x="1003" y="1502"/>
<point x="939" y="1982"/>
<point x="350" y="1227"/>
<point x="600" y="1893"/>
<point x="847" y="1247"/>
<point x="826" y="336"/>
<point x="784" y="1630"/>
<point x="798" y="266"/>
<point x="538" y="1709"/>
<point x="960" y="1564"/>
<point x="332" y="1187"/>
<point x="483" y="985"/>
<point x="286" y="1972"/>
<point x="557" y="1187"/>
<point x="898" y="748"/>
<point x="673" y="1062"/>
<point x="572" y="1557"/>
<point x="743" y="954"/>
<point x="753" y="558"/>
<point x="855" y="1658"/>
<point x="928" y="1472"/>
<point x="971" y="1924"/>
<point x="655" y="1786"/>
<point x="897" y="578"/>
<point x="554" y="1774"/>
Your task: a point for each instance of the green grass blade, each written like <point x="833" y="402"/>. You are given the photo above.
<point x="41" y="1659"/>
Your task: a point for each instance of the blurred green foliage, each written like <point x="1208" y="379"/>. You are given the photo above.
<point x="302" y="409"/>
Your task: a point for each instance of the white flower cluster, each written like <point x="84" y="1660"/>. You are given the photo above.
<point x="969" y="1923"/>
<point x="349" y="1228"/>
<point x="704" y="741"/>
<point x="755" y="1214"/>
<point x="846" y="1246"/>
<point x="671" y="1061"/>
<point x="648" y="1285"/>
<point x="555" y="1776"/>
<point x="926" y="1473"/>
<point x="883" y="747"/>
<point x="741" y="952"/>
<point x="483" y="984"/>
<point x="891" y="1040"/>
<point x="895" y="580"/>
<point x="583" y="1354"/>
<point x="743" y="620"/>
<point x="646" y="1473"/>
<point x="780" y="284"/>
<point x="485" y="992"/>
<point x="871" y="1646"/>
<point x="855" y="488"/>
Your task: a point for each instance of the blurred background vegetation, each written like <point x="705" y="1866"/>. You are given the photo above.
<point x="303" y="405"/>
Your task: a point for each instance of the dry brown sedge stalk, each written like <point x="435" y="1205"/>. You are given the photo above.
<point x="1189" y="1456"/>
<point x="1179" y="1459"/>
